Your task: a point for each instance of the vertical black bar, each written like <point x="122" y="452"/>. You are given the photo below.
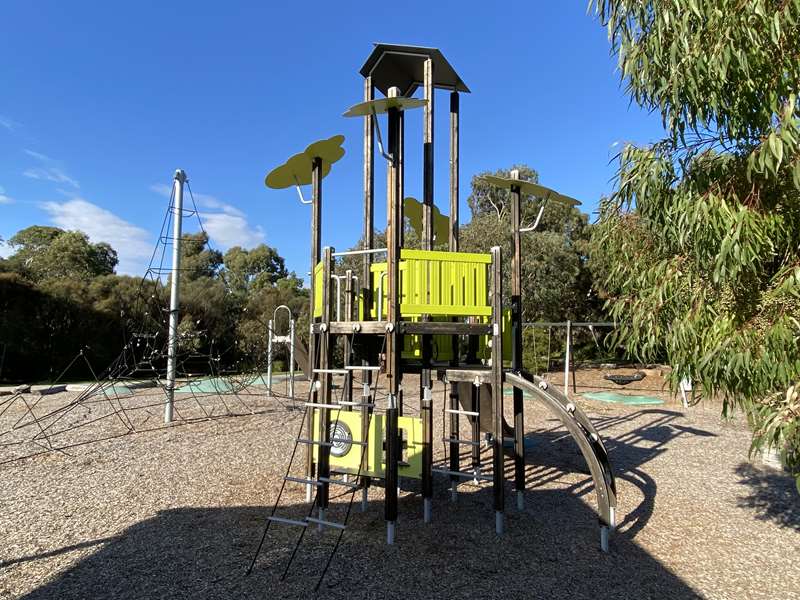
<point x="516" y="340"/>
<point x="316" y="250"/>
<point x="392" y="457"/>
<point x="393" y="349"/>
<point x="475" y="406"/>
<point x="369" y="201"/>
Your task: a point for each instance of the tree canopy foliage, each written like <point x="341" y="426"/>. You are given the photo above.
<point x="42" y="253"/>
<point x="701" y="237"/>
<point x="556" y="283"/>
<point x="59" y="295"/>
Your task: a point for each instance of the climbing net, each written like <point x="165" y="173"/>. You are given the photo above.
<point x="129" y="396"/>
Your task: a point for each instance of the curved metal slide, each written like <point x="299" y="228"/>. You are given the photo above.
<point x="584" y="434"/>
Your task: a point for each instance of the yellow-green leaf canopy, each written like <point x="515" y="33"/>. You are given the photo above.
<point x="382" y="105"/>
<point x="412" y="210"/>
<point x="530" y="188"/>
<point x="297" y="170"/>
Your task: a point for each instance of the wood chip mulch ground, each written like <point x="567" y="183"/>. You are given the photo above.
<point x="178" y="512"/>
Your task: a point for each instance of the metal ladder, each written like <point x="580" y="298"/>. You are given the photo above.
<point x="321" y="522"/>
<point x="453" y="441"/>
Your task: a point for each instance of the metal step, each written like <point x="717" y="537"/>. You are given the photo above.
<point x="462" y="475"/>
<point x="330" y="481"/>
<point x="288" y="521"/>
<point x="458" y="411"/>
<point x="302" y="480"/>
<point x="325" y="523"/>
<point x="320" y="405"/>
<point x="361" y="368"/>
<point x="352" y="442"/>
<point x="462" y="442"/>
<point x="313" y="442"/>
<point x="331" y="371"/>
<point x="357" y="404"/>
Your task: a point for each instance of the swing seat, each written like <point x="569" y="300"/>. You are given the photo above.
<point x="625" y="379"/>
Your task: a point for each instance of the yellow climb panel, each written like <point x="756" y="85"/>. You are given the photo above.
<point x="453" y="284"/>
<point x="346" y="456"/>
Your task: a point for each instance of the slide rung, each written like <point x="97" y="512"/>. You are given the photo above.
<point x="463" y="475"/>
<point x="302" y="480"/>
<point x="458" y="411"/>
<point x="288" y="521"/>
<point x="331" y="371"/>
<point x="358" y="404"/>
<point x="361" y="368"/>
<point x="354" y="486"/>
<point x="325" y="523"/>
<point x="313" y="442"/>
<point x="462" y="442"/>
<point x="320" y="405"/>
<point x="346" y="441"/>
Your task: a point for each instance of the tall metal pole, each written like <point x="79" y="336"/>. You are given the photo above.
<point x="174" y="296"/>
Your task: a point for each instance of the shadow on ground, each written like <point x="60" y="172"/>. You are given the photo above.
<point x="549" y="551"/>
<point x="771" y="493"/>
<point x="203" y="553"/>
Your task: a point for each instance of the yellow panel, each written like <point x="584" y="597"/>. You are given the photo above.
<point x="349" y="426"/>
<point x="438" y="283"/>
<point x="318" y="290"/>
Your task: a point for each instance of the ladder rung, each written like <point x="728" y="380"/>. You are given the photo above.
<point x="458" y="411"/>
<point x="331" y="371"/>
<point x="462" y="442"/>
<point x="288" y="521"/>
<point x="347" y="441"/>
<point x="320" y="405"/>
<point x="358" y="404"/>
<point x="355" y="486"/>
<point x="361" y="368"/>
<point x="460" y="474"/>
<point x="313" y="442"/>
<point x="302" y="480"/>
<point x="325" y="523"/>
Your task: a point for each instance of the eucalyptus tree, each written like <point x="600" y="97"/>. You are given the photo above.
<point x="702" y="233"/>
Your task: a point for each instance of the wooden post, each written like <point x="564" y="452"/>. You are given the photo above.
<point x="393" y="228"/>
<point x="325" y="355"/>
<point x="316" y="249"/>
<point x="427" y="157"/>
<point x="497" y="388"/>
<point x="454" y="116"/>
<point x="401" y="175"/>
<point x="425" y="382"/>
<point x="516" y="341"/>
<point x="366" y="275"/>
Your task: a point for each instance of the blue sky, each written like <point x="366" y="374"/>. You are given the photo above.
<point x="101" y="102"/>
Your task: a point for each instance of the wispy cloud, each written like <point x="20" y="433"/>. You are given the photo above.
<point x="232" y="230"/>
<point x="8" y="123"/>
<point x="132" y="243"/>
<point x="3" y="198"/>
<point x="226" y="225"/>
<point x="50" y="170"/>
